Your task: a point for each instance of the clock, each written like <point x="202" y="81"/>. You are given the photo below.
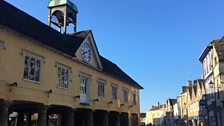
<point x="86" y="52"/>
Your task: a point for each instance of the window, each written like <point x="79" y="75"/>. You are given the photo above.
<point x="215" y="60"/>
<point x="134" y="99"/>
<point x="32" y="66"/>
<point x="84" y="82"/>
<point x="63" y="76"/>
<point x="101" y="85"/>
<point x="2" y="45"/>
<point x="114" y="92"/>
<point x="84" y="88"/>
<point x="125" y="95"/>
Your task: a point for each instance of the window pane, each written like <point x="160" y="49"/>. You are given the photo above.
<point x="37" y="70"/>
<point x="125" y="96"/>
<point x="134" y="99"/>
<point x="114" y="92"/>
<point x="66" y="78"/>
<point x="100" y="89"/>
<point x="59" y="75"/>
<point x="83" y="84"/>
<point x="26" y="67"/>
<point x="32" y="69"/>
<point x="63" y="77"/>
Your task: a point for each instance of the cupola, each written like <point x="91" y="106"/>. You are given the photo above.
<point x="62" y="13"/>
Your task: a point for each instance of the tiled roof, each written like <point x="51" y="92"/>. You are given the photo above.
<point x="206" y="50"/>
<point x="219" y="47"/>
<point x="113" y="70"/>
<point x="172" y="101"/>
<point x="16" y="19"/>
<point x="155" y="108"/>
<point x="195" y="89"/>
<point x="29" y="26"/>
<point x="142" y="115"/>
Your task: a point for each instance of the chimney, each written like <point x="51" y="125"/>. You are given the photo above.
<point x="158" y="104"/>
<point x="190" y="83"/>
<point x="184" y="89"/>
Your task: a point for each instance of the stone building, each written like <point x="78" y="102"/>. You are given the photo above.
<point x="212" y="59"/>
<point x="154" y="116"/>
<point x="52" y="77"/>
<point x="196" y="112"/>
<point x="142" y="119"/>
<point x="183" y="102"/>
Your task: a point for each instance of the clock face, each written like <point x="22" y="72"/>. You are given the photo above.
<point x="86" y="52"/>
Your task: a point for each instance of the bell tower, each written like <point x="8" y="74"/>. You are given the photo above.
<point x="61" y="13"/>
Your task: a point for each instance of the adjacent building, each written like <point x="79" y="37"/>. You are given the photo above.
<point x="212" y="60"/>
<point x="59" y="78"/>
<point x="142" y="119"/>
<point x="154" y="116"/>
<point x="196" y="112"/>
<point x="183" y="103"/>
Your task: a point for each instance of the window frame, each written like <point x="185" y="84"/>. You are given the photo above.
<point x="2" y="44"/>
<point x="26" y="53"/>
<point x="113" y="86"/>
<point x="101" y="82"/>
<point x="69" y="71"/>
<point x="124" y="98"/>
<point x="134" y="99"/>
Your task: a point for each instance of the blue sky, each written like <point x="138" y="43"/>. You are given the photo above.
<point x="157" y="42"/>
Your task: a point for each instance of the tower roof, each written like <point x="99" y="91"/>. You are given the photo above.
<point x="54" y="3"/>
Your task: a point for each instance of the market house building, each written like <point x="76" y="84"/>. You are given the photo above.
<point x="50" y="77"/>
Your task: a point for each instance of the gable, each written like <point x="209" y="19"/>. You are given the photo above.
<point x="88" y="52"/>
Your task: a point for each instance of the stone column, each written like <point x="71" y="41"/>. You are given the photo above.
<point x="90" y="119"/>
<point x="105" y="121"/>
<point x="42" y="116"/>
<point x="194" y="124"/>
<point x="4" y="116"/>
<point x="69" y="121"/>
<point x="118" y="120"/>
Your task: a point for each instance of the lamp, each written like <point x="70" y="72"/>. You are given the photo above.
<point x="96" y="100"/>
<point x="211" y="84"/>
<point x="77" y="96"/>
<point x="130" y="106"/>
<point x="50" y="92"/>
<point x="110" y="102"/>
<point x="14" y="84"/>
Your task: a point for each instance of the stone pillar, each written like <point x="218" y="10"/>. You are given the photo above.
<point x="90" y="119"/>
<point x="124" y="119"/>
<point x="194" y="123"/>
<point x="42" y="116"/>
<point x="105" y="121"/>
<point x="4" y="116"/>
<point x="118" y="120"/>
<point x="69" y="121"/>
